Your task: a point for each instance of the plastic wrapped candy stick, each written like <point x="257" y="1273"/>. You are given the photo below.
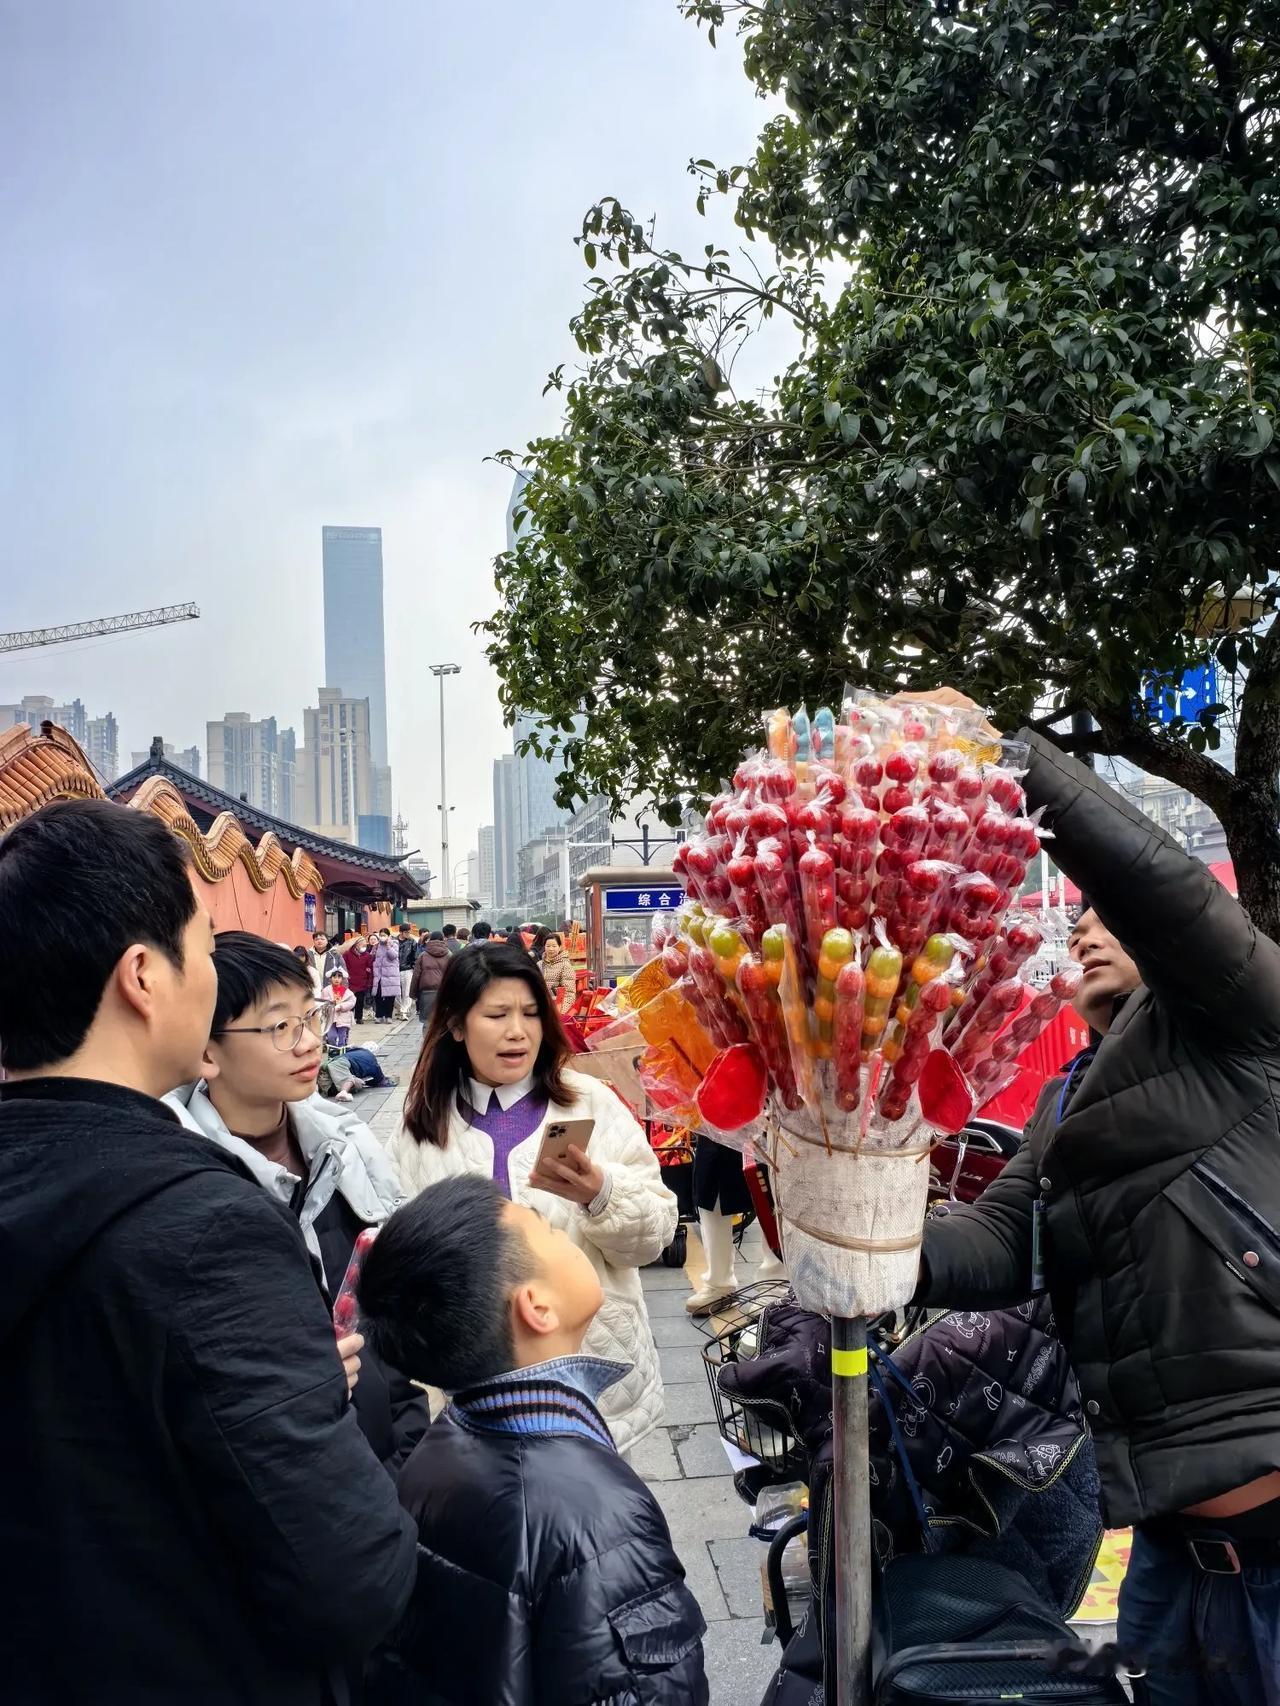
<point x="932" y="962"/>
<point x="913" y="1052"/>
<point x="992" y="1013"/>
<point x="824" y="734"/>
<point x="779" y="950"/>
<point x="846" y="1044"/>
<point x="747" y="900"/>
<point x="780" y="735"/>
<point x="727" y="1025"/>
<point x="994" y="1069"/>
<point x="759" y="993"/>
<point x="884" y="968"/>
<point x="346" y="1309"/>
<point x="856" y="842"/>
<point x="835" y="951"/>
<point x="818" y="893"/>
<point x="1009" y="951"/>
<point x="779" y="887"/>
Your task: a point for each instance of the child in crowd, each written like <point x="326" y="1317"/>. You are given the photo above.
<point x="534" y="1535"/>
<point x="344" y="1005"/>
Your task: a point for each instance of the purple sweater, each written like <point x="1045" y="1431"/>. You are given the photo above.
<point x="508" y="1130"/>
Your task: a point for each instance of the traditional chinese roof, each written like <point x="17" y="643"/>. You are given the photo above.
<point x="341" y="867"/>
<point x="37" y="768"/>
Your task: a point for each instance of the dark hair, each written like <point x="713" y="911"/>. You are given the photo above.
<point x="481" y="932"/>
<point x="404" y="929"/>
<point x="88" y="878"/>
<point x="321" y="935"/>
<point x="449" y="930"/>
<point x="435" y="1289"/>
<point x="436" y="936"/>
<point x="442" y="1070"/>
<point x="464" y="935"/>
<point x="247" y="967"/>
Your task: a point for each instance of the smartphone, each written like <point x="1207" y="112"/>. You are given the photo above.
<point x="346" y="1311"/>
<point x="558" y="1137"/>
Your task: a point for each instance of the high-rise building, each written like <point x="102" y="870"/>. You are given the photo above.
<point x="185" y="757"/>
<point x="473" y="875"/>
<point x="254" y="761"/>
<point x="102" y="746"/>
<point x="336" y="771"/>
<point x="485" y="891"/>
<point x="506" y="871"/>
<point x="354" y="649"/>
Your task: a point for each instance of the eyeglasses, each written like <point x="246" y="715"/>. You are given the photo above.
<point x="286" y="1034"/>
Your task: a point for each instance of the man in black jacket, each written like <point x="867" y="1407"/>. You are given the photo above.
<point x="191" y="1514"/>
<point x="546" y="1573"/>
<point x="1146" y="1198"/>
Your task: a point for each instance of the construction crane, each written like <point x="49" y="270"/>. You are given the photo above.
<point x="27" y="639"/>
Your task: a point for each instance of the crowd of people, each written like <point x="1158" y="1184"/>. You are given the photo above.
<point x="221" y="1496"/>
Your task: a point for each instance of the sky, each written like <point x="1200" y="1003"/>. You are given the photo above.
<point x="272" y="266"/>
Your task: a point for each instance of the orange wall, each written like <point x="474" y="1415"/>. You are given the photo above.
<point x="235" y="904"/>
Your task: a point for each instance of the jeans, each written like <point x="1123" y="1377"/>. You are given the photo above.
<point x="1205" y="1640"/>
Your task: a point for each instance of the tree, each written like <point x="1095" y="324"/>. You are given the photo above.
<point x="1026" y="442"/>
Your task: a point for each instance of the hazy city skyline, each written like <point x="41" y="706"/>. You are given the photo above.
<point x="275" y="268"/>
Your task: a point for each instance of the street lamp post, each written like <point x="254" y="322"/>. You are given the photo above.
<point x="440" y="670"/>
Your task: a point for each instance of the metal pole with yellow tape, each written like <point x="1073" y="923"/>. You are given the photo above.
<point x="851" y="1525"/>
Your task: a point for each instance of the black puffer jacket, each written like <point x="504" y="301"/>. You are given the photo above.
<point x="546" y="1577"/>
<point x="191" y="1513"/>
<point x="1161" y="1181"/>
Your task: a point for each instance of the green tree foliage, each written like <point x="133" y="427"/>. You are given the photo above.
<point x="1026" y="444"/>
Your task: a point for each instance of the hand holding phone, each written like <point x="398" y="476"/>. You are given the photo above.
<point x="564" y="1167"/>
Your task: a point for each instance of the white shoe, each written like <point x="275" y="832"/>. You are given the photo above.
<point x="770" y="1267"/>
<point x="344" y="1096"/>
<point x="704" y="1300"/>
<point x="720" y="1279"/>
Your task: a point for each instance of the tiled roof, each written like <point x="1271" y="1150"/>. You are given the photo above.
<point x="290" y="835"/>
<point x="37" y="768"/>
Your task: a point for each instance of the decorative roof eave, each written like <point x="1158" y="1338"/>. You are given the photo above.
<point x="38" y="768"/>
<point x="216" y="849"/>
<point x="339" y="861"/>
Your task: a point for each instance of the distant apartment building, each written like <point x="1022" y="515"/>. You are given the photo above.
<point x="185" y="757"/>
<point x="254" y="761"/>
<point x="99" y="736"/>
<point x="338" y="786"/>
<point x="485" y="890"/>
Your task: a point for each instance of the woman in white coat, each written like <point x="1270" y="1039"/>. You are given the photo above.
<point x="491" y="1073"/>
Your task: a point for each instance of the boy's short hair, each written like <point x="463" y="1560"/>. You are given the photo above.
<point x="449" y="930"/>
<point x="481" y="931"/>
<point x="435" y="1290"/>
<point x="85" y="879"/>
<point x="247" y="967"/>
<point x="404" y="929"/>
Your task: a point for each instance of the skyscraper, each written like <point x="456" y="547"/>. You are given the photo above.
<point x="354" y="651"/>
<point x="506" y="869"/>
<point x="185" y="757"/>
<point x="486" y="890"/>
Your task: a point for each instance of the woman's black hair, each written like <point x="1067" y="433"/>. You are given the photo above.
<point x="438" y="1085"/>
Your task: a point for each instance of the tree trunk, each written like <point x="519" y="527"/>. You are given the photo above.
<point x="1252" y="826"/>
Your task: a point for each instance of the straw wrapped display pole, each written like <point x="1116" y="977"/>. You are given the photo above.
<point x="851" y="1521"/>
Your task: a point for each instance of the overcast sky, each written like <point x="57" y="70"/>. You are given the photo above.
<point x="275" y="263"/>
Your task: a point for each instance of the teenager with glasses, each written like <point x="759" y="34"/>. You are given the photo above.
<point x="258" y="1102"/>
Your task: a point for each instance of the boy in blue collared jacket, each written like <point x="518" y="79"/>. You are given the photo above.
<point x="546" y="1571"/>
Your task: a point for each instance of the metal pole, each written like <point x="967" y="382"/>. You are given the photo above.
<point x="851" y="1524"/>
<point x="444" y="800"/>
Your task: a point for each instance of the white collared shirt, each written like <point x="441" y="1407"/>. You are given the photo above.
<point x="508" y="1094"/>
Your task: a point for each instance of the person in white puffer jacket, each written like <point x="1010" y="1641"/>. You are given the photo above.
<point x="491" y="1074"/>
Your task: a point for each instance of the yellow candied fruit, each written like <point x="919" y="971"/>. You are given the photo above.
<point x="957" y="997"/>
<point x="891" y="1050"/>
<point x="903" y="1015"/>
<point x="824" y="1008"/>
<point x="873" y="1024"/>
<point x="822" y="1049"/>
<point x="829" y="969"/>
<point x="882" y="988"/>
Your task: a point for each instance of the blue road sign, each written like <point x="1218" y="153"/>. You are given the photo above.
<point x="659" y="898"/>
<point x="1167" y="696"/>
